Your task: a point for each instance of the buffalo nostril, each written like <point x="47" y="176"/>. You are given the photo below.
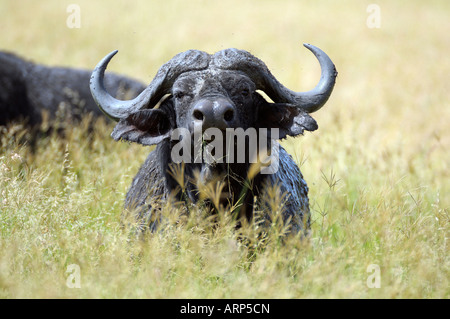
<point x="229" y="115"/>
<point x="198" y="115"/>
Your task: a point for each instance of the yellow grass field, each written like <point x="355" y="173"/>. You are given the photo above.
<point x="377" y="167"/>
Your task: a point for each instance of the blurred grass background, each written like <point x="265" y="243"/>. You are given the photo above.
<point x="378" y="167"/>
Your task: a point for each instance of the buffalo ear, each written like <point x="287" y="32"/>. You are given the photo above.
<point x="146" y="127"/>
<point x="286" y="117"/>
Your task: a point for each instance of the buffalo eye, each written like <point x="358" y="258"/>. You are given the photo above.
<point x="245" y="92"/>
<point x="180" y="95"/>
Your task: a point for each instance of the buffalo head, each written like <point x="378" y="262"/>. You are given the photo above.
<point x="196" y="89"/>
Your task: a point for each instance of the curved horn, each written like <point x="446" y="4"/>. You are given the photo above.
<point x="112" y="107"/>
<point x="314" y="99"/>
<point x="160" y="85"/>
<point x="309" y="101"/>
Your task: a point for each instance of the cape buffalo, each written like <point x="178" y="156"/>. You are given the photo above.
<point x="27" y="89"/>
<point x="195" y="92"/>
